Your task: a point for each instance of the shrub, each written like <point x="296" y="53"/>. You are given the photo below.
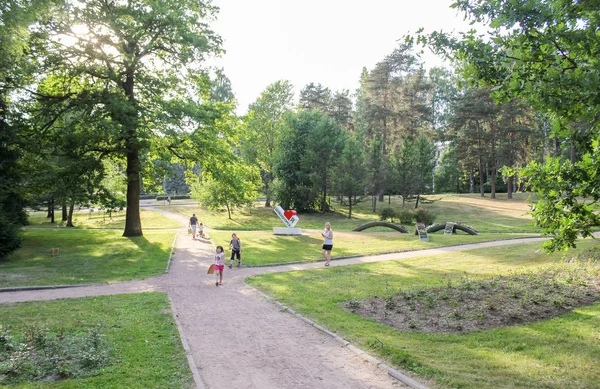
<point x="405" y="216"/>
<point x="177" y="197"/>
<point x="10" y="236"/>
<point x="40" y="354"/>
<point x="387" y="213"/>
<point x="424" y="216"/>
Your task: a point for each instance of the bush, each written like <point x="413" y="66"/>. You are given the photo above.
<point x="177" y="197"/>
<point x="405" y="216"/>
<point x="10" y="236"/>
<point x="424" y="216"/>
<point x="40" y="354"/>
<point x="387" y="213"/>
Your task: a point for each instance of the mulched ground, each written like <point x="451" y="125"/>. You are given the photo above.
<point x="467" y="305"/>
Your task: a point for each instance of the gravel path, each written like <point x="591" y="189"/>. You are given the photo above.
<point x="237" y="337"/>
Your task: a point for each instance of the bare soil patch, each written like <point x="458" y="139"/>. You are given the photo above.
<point x="466" y="304"/>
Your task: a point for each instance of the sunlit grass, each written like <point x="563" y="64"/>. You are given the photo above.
<point x="147" y="350"/>
<point x="486" y="215"/>
<point x="85" y="256"/>
<point x="558" y="353"/>
<point x="85" y="219"/>
<point x="262" y="247"/>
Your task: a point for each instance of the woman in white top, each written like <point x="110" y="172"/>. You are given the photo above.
<point x="327" y="235"/>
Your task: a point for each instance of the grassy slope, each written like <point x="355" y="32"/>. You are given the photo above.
<point x="558" y="353"/>
<point x="83" y="219"/>
<point x="86" y="256"/>
<point x="147" y="348"/>
<point x="486" y="215"/>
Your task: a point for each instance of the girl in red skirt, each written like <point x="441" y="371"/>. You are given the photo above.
<point x="219" y="265"/>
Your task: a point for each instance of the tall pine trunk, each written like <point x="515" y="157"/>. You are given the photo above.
<point x="471" y="181"/>
<point x="509" y="187"/>
<point x="52" y="211"/>
<point x="481" y="182"/>
<point x="350" y="206"/>
<point x="493" y="162"/>
<point x="64" y="211"/>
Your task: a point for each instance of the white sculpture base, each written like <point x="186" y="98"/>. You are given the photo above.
<point x="287" y="231"/>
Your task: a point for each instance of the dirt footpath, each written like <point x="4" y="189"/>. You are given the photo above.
<point x="237" y="337"/>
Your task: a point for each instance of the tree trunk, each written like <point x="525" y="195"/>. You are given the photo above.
<point x="64" y="211"/>
<point x="381" y="198"/>
<point x="350" y="206"/>
<point x="493" y="195"/>
<point x="481" y="188"/>
<point x="228" y="211"/>
<point x="471" y="181"/>
<point x="457" y="184"/>
<point x="49" y="214"/>
<point x="52" y="211"/>
<point x="133" y="223"/>
<point x="389" y="199"/>
<point x="268" y="193"/>
<point x="509" y="187"/>
<point x="417" y="202"/>
<point x="493" y="162"/>
<point x="70" y="216"/>
<point x="374" y="202"/>
<point x="324" y="199"/>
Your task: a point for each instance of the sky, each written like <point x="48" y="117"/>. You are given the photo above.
<point x="320" y="41"/>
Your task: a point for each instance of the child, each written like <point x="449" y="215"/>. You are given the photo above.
<point x="219" y="265"/>
<point x="201" y="230"/>
<point x="236" y="250"/>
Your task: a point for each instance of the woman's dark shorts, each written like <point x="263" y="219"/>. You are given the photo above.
<point x="327" y="247"/>
<point x="235" y="253"/>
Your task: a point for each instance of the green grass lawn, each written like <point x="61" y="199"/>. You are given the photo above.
<point x="486" y="215"/>
<point x="147" y="350"/>
<point x="262" y="247"/>
<point x="84" y="219"/>
<point x="85" y="256"/>
<point x="559" y="353"/>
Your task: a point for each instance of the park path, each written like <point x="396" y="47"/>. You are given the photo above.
<point x="237" y="337"/>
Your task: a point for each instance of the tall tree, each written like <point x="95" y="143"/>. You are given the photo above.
<point x="323" y="148"/>
<point x="546" y="53"/>
<point x="137" y="64"/>
<point x="315" y="96"/>
<point x="221" y="89"/>
<point x="294" y="188"/>
<point x="233" y="186"/>
<point x="264" y="124"/>
<point x="16" y="70"/>
<point x="340" y="109"/>
<point x="350" y="175"/>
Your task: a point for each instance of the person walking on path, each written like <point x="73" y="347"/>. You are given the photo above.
<point x="169" y="200"/>
<point x="192" y="225"/>
<point x="219" y="265"/>
<point x="236" y="250"/>
<point x="327" y="235"/>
